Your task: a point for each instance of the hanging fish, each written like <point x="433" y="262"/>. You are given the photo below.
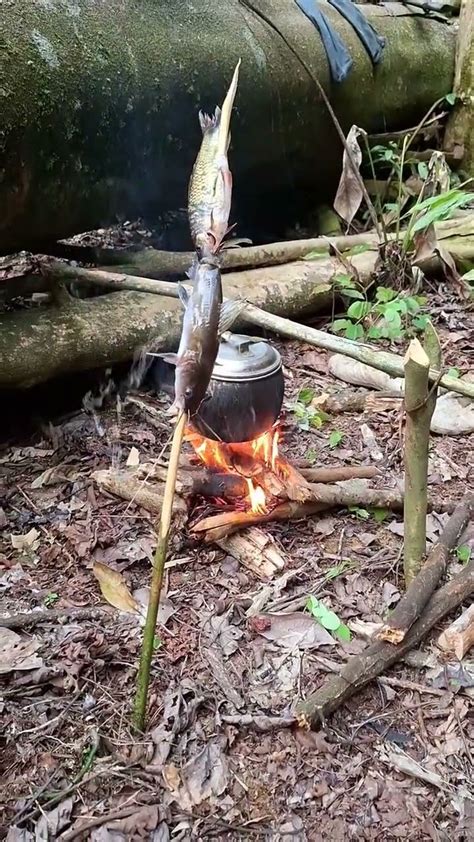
<point x="210" y="185"/>
<point x="205" y="319"/>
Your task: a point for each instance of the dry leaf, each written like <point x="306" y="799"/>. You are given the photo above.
<point x="133" y="460"/>
<point x="16" y="653"/>
<point x="205" y="775"/>
<point x="349" y="192"/>
<point x="28" y="542"/>
<point x="294" y="630"/>
<point x="114" y="589"/>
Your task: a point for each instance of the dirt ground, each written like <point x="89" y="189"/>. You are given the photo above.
<point x="393" y="763"/>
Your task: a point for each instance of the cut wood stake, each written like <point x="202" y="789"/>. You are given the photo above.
<point x="143" y="677"/>
<point x="425" y="583"/>
<point x="458" y="638"/>
<point x="417" y="432"/>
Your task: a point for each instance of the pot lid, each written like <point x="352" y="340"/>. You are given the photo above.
<point x="245" y="358"/>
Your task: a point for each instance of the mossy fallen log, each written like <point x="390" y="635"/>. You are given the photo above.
<point x="99" y="106"/>
<point x="39" y="344"/>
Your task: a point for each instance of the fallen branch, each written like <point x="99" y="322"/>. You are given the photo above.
<point x="458" y="638"/>
<point x="143" y="676"/>
<point x="349" y="493"/>
<point x="417" y="436"/>
<point x="155" y="263"/>
<point x="382" y="360"/>
<point x="379" y="656"/>
<point x="290" y="286"/>
<point x="340" y="474"/>
<point x="135" y="490"/>
<point x="424" y="585"/>
<point x="53" y="615"/>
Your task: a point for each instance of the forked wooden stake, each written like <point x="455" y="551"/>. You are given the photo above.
<point x="143" y="677"/>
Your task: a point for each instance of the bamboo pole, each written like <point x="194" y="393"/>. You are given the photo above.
<point x="143" y="676"/>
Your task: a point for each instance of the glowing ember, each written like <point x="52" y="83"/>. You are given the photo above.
<point x="240" y="459"/>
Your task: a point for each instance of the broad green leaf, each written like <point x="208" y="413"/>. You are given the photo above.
<point x="344" y="280"/>
<point x="384" y="294"/>
<point x="354" y="331"/>
<point x="380" y="514"/>
<point x="343" y="632"/>
<point x="463" y="553"/>
<point x="392" y="317"/>
<point x="469" y="276"/>
<point x="451" y="98"/>
<point x="359" y="309"/>
<point x="374" y="332"/>
<point x="335" y="438"/>
<point x="340" y="324"/>
<point x="353" y="293"/>
<point x="305" y="396"/>
<point x="453" y="372"/>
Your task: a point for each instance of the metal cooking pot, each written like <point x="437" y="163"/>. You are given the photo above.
<point x="246" y="391"/>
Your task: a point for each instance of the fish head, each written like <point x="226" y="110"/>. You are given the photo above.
<point x="190" y="388"/>
<point x="205" y="244"/>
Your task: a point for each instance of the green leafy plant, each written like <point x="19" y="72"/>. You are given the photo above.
<point x="463" y="553"/>
<point x="361" y="514"/>
<point x="379" y="514"/>
<point x="335" y="438"/>
<point x="157" y="642"/>
<point x="307" y="416"/>
<point x="327" y="619"/>
<point x="50" y="599"/>
<point x="391" y="315"/>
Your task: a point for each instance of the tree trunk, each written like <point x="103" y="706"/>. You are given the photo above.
<point x="39" y="344"/>
<point x="99" y="106"/>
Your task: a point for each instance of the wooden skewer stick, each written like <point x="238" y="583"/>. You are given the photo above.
<point x="143" y="677"/>
<point x="458" y="638"/>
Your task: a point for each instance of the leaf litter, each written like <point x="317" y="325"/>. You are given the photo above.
<point x="221" y="752"/>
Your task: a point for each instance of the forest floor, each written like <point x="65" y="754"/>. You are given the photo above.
<point x="69" y="759"/>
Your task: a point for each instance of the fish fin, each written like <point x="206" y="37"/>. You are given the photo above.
<point x="168" y="358"/>
<point x="209" y="121"/>
<point x="230" y="311"/>
<point x="235" y="242"/>
<point x="183" y="295"/>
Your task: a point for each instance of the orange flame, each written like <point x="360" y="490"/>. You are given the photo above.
<point x="257" y="498"/>
<point x="225" y="458"/>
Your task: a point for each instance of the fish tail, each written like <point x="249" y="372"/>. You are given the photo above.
<point x="208" y="122"/>
<point x="227" y="105"/>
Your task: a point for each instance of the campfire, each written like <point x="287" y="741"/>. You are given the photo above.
<point x="253" y="474"/>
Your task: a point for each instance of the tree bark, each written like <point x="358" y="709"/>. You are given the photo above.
<point x="39" y="344"/>
<point x="459" y="137"/>
<point x="100" y="101"/>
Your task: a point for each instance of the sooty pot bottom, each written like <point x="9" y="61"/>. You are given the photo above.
<point x="240" y="411"/>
